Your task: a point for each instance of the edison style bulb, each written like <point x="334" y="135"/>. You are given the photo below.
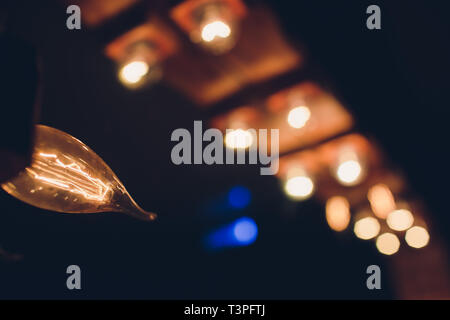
<point x="67" y="176"/>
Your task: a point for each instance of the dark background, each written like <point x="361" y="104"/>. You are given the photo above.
<point x="394" y="80"/>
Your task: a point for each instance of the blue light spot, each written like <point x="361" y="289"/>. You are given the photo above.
<point x="239" y="197"/>
<point x="241" y="232"/>
<point x="245" y="231"/>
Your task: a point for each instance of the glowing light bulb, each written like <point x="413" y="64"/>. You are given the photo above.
<point x="299" y="187"/>
<point x="417" y="237"/>
<point x="215" y="29"/>
<point x="67" y="176"/>
<point x="298" y="117"/>
<point x="338" y="213"/>
<point x="133" y="72"/>
<point x="388" y="243"/>
<point x="238" y="139"/>
<point x="215" y="26"/>
<point x="367" y="228"/>
<point x="381" y="200"/>
<point x="400" y="220"/>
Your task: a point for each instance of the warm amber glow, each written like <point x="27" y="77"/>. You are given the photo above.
<point x="238" y="139"/>
<point x="215" y="29"/>
<point x="417" y="237"/>
<point x="67" y="176"/>
<point x="349" y="172"/>
<point x="133" y="72"/>
<point x="400" y="220"/>
<point x="298" y="117"/>
<point x="381" y="200"/>
<point x="338" y="213"/>
<point x="299" y="187"/>
<point x="388" y="243"/>
<point x="367" y="228"/>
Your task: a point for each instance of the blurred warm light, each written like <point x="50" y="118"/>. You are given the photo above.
<point x="238" y="139"/>
<point x="133" y="72"/>
<point x="338" y="213"/>
<point x="215" y="29"/>
<point x="388" y="243"/>
<point x="400" y="220"/>
<point x="417" y="237"/>
<point x="299" y="187"/>
<point x="349" y="172"/>
<point x="298" y="117"/>
<point x="381" y="200"/>
<point x="367" y="228"/>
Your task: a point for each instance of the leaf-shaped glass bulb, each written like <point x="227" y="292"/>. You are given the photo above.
<point x="67" y="176"/>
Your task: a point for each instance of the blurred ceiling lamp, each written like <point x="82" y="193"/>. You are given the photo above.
<point x="367" y="228"/>
<point x="349" y="170"/>
<point x="400" y="220"/>
<point x="338" y="213"/>
<point x="140" y="65"/>
<point x="67" y="176"/>
<point x="298" y="185"/>
<point x="298" y="117"/>
<point x="388" y="243"/>
<point x="215" y="26"/>
<point x="238" y="139"/>
<point x="381" y="200"/>
<point x="140" y="52"/>
<point x="417" y="237"/>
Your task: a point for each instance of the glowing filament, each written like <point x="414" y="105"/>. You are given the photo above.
<point x="70" y="177"/>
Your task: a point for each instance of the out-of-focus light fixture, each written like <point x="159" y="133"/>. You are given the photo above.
<point x="338" y="213"/>
<point x="400" y="220"/>
<point x="299" y="185"/>
<point x="417" y="237"/>
<point x="139" y="66"/>
<point x="381" y="200"/>
<point x="367" y="228"/>
<point x="216" y="26"/>
<point x="238" y="139"/>
<point x="133" y="71"/>
<point x="298" y="117"/>
<point x="388" y="243"/>
<point x="349" y="170"/>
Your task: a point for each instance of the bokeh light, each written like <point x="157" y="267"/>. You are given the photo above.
<point x="349" y="172"/>
<point x="417" y="237"/>
<point x="241" y="232"/>
<point x="400" y="220"/>
<point x="298" y="117"/>
<point x="239" y="197"/>
<point x="367" y="228"/>
<point x="388" y="243"/>
<point x="215" y="29"/>
<point x="299" y="187"/>
<point x="133" y="72"/>
<point x="381" y="200"/>
<point x="238" y="139"/>
<point x="338" y="213"/>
